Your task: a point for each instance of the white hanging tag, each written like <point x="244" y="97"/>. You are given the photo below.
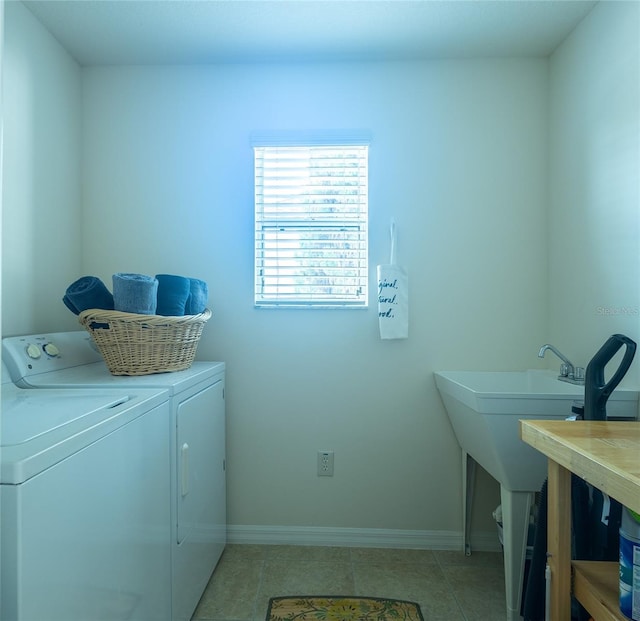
<point x="393" y="296"/>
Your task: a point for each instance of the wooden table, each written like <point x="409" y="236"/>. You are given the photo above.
<point x="606" y="455"/>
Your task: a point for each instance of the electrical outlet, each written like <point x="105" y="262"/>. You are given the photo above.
<point x="325" y="463"/>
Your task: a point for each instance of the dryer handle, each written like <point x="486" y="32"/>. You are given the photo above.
<point x="184" y="455"/>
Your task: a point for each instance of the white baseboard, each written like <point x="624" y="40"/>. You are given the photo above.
<point x="359" y="537"/>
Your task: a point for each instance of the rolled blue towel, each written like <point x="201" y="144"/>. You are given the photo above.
<point x="173" y="292"/>
<point x="87" y="292"/>
<point x="198" y="296"/>
<point x="135" y="293"/>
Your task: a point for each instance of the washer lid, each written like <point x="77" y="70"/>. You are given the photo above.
<point x="28" y="416"/>
<point x="39" y="428"/>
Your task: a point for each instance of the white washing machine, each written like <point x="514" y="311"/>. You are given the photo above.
<point x="198" y="482"/>
<point x="84" y="502"/>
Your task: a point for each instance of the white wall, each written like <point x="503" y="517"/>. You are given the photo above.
<point x="41" y="180"/>
<point x="1" y="139"/>
<point x="1" y="150"/>
<point x="457" y="157"/>
<point x="594" y="225"/>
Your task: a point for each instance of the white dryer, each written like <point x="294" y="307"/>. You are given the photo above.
<point x="198" y="480"/>
<point x="84" y="504"/>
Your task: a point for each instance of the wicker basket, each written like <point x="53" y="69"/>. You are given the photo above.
<point x="134" y="344"/>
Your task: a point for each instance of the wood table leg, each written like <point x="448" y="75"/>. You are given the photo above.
<point x="559" y="541"/>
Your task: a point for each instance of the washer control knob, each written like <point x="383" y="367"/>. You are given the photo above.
<point x="33" y="351"/>
<point x="51" y="350"/>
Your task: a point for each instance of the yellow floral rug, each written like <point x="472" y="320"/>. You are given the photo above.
<point x="341" y="609"/>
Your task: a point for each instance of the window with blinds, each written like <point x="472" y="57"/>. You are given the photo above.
<point x="311" y="212"/>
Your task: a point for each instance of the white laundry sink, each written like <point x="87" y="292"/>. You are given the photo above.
<point x="485" y="408"/>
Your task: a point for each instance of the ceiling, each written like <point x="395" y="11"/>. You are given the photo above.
<point x="106" y="32"/>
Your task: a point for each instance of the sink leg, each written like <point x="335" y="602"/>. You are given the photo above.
<point x="468" y="487"/>
<point x="515" y="527"/>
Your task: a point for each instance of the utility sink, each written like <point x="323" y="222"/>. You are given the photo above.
<point x="485" y="408"/>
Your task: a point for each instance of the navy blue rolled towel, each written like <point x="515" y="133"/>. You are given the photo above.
<point x="198" y="296"/>
<point x="87" y="292"/>
<point x="173" y="292"/>
<point x="135" y="293"/>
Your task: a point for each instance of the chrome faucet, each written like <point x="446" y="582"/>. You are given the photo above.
<point x="568" y="373"/>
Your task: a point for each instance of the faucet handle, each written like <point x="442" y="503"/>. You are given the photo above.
<point x="578" y="373"/>
<point x="564" y="370"/>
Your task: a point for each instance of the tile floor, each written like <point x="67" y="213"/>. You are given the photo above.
<point x="448" y="585"/>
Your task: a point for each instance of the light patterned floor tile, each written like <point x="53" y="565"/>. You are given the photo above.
<point x="386" y="555"/>
<point x="448" y="585"/>
<point x="309" y="553"/>
<point x="480" y="593"/>
<point x="424" y="584"/>
<point x="231" y="592"/>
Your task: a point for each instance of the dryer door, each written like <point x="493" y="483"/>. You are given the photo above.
<point x="200" y="485"/>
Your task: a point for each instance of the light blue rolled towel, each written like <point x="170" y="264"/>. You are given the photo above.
<point x="198" y="297"/>
<point x="135" y="293"/>
<point x="173" y="292"/>
<point x="87" y="292"/>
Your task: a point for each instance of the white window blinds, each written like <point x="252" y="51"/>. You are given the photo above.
<point x="311" y="211"/>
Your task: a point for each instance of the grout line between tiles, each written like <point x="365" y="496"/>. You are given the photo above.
<point x="451" y="589"/>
